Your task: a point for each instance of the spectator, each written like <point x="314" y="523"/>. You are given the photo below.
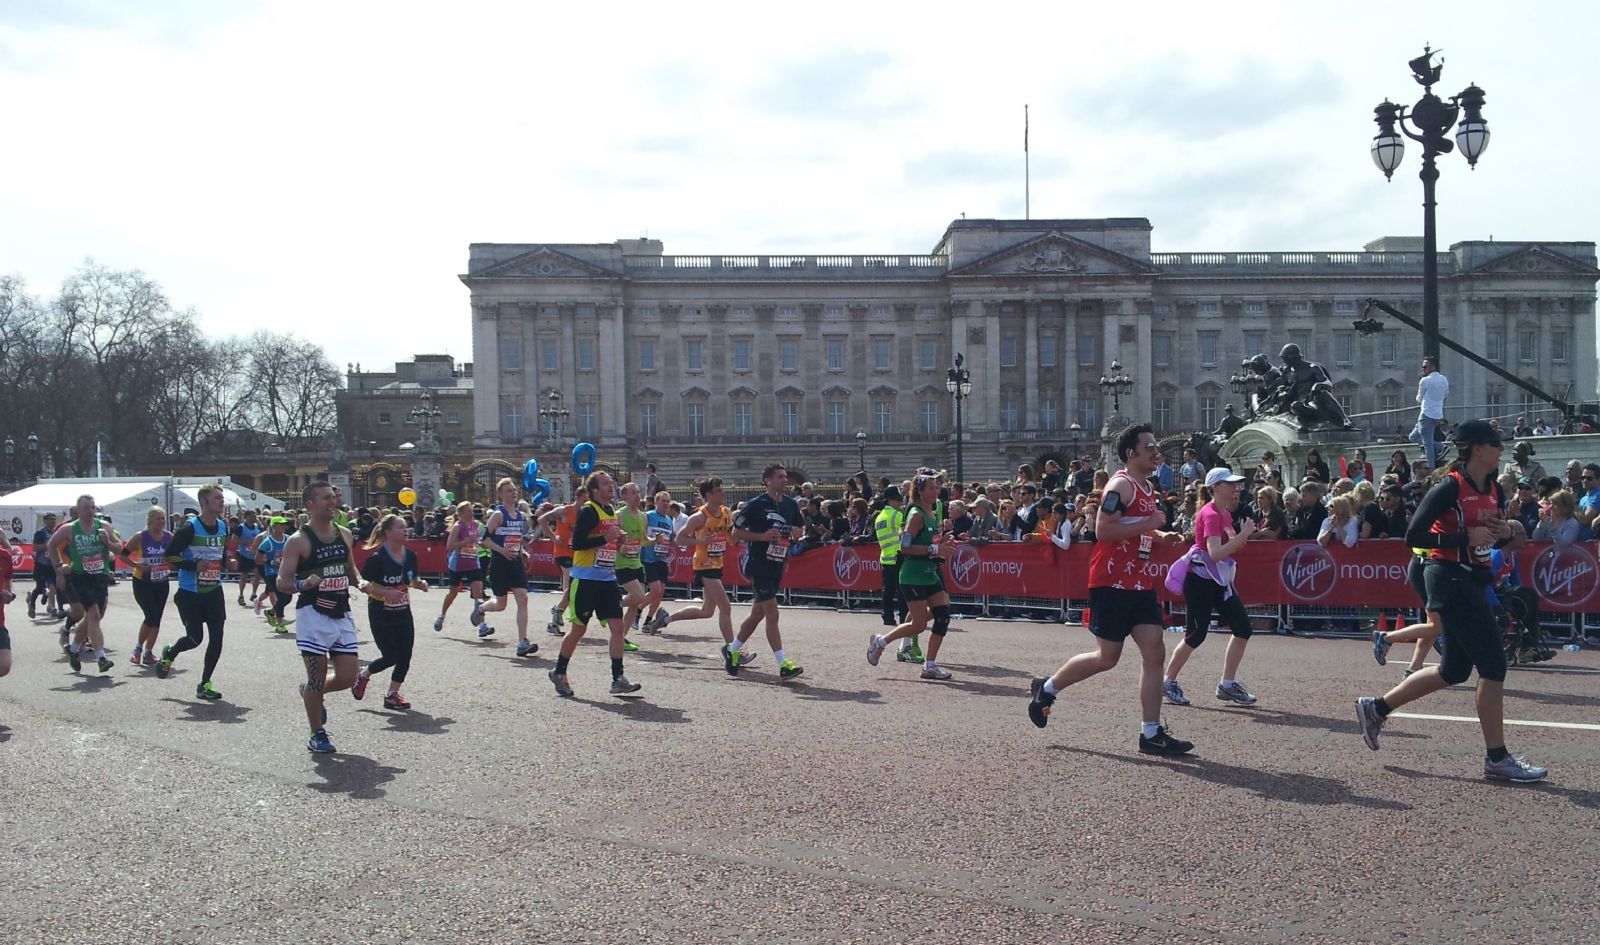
<point x="1339" y="524"/>
<point x="861" y="531"/>
<point x="984" y="521"/>
<point x="1508" y="489"/>
<point x="1191" y="470"/>
<point x="1399" y="467"/>
<point x="1523" y="464"/>
<point x="1432" y="389"/>
<point x="1392" y="502"/>
<point x="652" y="483"/>
<point x="1575" y="476"/>
<point x="863" y="485"/>
<point x="1182" y="520"/>
<point x="1542" y="428"/>
<point x="1053" y="476"/>
<point x="1588" y="493"/>
<point x="1006" y="528"/>
<point x="1098" y="481"/>
<point x="1522" y="429"/>
<point x="960" y="521"/>
<point x="1271" y="523"/>
<point x="1163" y="475"/>
<point x="1062" y="536"/>
<point x="1557" y="519"/>
<point x="1374" y="523"/>
<point x="1307" y="521"/>
<point x="1027" y="509"/>
<point x="1083" y="478"/>
<point x="1316" y="469"/>
<point x="1343" y="486"/>
<point x="1267" y="467"/>
<point x="1525" y="505"/>
<point x="1083" y="528"/>
<point x="1025" y="474"/>
<point x="838" y="522"/>
<point x="1357" y="468"/>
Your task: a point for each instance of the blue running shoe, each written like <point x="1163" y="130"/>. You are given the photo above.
<point x="320" y="743"/>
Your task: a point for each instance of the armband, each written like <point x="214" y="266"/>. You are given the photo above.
<point x="1111" y="501"/>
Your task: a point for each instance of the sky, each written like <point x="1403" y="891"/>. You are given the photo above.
<point x="320" y="168"/>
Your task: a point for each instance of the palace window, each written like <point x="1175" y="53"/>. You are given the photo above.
<point x="836" y="414"/>
<point x="882" y="416"/>
<point x="789" y="354"/>
<point x="697" y="419"/>
<point x="1008" y="351"/>
<point x="927" y="353"/>
<point x="585" y="354"/>
<point x="1086" y="350"/>
<point x="1047" y="349"/>
<point x="880" y="354"/>
<point x="647" y="354"/>
<point x="513" y="420"/>
<point x="647" y="421"/>
<point x="1528" y="344"/>
<point x="1558" y="345"/>
<point x="1208" y="348"/>
<point x="741" y="354"/>
<point x="1008" y="412"/>
<point x="789" y="422"/>
<point x="549" y="354"/>
<point x="1494" y="344"/>
<point x="742" y="425"/>
<point x="1208" y="412"/>
<point x="1047" y="412"/>
<point x="930" y="418"/>
<point x="588" y="425"/>
<point x="835" y="349"/>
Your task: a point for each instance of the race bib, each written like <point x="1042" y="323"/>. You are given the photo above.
<point x="338" y="583"/>
<point x="404" y="602"/>
<point x="777" y="550"/>
<point x="660" y="535"/>
<point x="94" y="564"/>
<point x="208" y="570"/>
<point x="159" y="572"/>
<point x="513" y="542"/>
<point x="630" y="548"/>
<point x="605" y="557"/>
<point x="719" y="544"/>
<point x="1147" y="541"/>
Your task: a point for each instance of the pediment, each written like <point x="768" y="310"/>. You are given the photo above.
<point x="790" y="391"/>
<point x="1534" y="260"/>
<point x="883" y="390"/>
<point x="836" y="390"/>
<point x="930" y="390"/>
<point x="544" y="263"/>
<point x="743" y="390"/>
<point x="694" y="392"/>
<point x="1055" y="254"/>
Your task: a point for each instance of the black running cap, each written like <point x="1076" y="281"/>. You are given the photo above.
<point x="1474" y="432"/>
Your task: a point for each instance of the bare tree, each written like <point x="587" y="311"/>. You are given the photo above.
<point x="292" y="387"/>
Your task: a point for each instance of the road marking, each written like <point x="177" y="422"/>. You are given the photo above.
<point x="1472" y="718"/>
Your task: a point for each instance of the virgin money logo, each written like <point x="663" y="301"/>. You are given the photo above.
<point x="1308" y="572"/>
<point x="846" y="566"/>
<point x="1566" y="575"/>
<point x="965" y="568"/>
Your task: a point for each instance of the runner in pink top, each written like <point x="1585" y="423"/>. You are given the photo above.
<point x="1208" y="589"/>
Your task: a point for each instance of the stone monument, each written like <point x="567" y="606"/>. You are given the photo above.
<point x="1294" y="411"/>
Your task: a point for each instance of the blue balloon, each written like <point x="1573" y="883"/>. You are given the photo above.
<point x="530" y="474"/>
<point x="538" y="492"/>
<point x="583" y="459"/>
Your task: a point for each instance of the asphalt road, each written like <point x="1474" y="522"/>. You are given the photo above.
<point x="853" y="805"/>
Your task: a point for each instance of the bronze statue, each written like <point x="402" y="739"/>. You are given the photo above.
<point x="1230" y="424"/>
<point x="1301" y="390"/>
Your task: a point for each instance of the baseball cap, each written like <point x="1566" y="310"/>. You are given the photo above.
<point x="1475" y="432"/>
<point x="891" y="493"/>
<point x="277" y="520"/>
<point x="1222" y="474"/>
<point x="1526" y="482"/>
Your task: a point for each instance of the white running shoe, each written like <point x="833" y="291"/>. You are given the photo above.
<point x="875" y="647"/>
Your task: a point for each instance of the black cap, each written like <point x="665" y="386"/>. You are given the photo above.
<point x="1474" y="432"/>
<point x="891" y="493"/>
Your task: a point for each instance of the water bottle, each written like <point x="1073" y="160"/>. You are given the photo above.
<point x="1177" y="629"/>
<point x="1572" y="648"/>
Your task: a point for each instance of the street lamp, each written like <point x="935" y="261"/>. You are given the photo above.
<point x="1116" y="384"/>
<point x="11" y="460"/>
<point x="1432" y="118"/>
<point x="861" y="449"/>
<point x="958" y="381"/>
<point x="428" y="415"/>
<point x="1248" y="383"/>
<point x="35" y="467"/>
<point x="553" y="416"/>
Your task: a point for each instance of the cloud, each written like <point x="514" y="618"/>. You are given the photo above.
<point x="1175" y="97"/>
<point x="842" y="84"/>
<point x="962" y="167"/>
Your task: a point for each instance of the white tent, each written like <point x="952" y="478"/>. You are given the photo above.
<point x="126" y="499"/>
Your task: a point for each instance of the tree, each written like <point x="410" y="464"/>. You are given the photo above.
<point x="292" y="386"/>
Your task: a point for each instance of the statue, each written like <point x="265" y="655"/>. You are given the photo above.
<point x="1229" y="426"/>
<point x="1205" y="446"/>
<point x="1309" y="394"/>
<point x="1269" y="396"/>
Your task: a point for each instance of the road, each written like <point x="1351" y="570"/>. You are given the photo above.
<point x="853" y="805"/>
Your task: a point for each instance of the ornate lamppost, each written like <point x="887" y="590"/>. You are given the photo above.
<point x="427" y="469"/>
<point x="1248" y="384"/>
<point x="1432" y="118"/>
<point x="861" y="449"/>
<point x="958" y="381"/>
<point x="551" y="417"/>
<point x="11" y="460"/>
<point x="1115" y="385"/>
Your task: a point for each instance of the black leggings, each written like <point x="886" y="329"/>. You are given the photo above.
<point x="280" y="600"/>
<point x="1472" y="638"/>
<point x="151" y="596"/>
<point x="1201" y="598"/>
<point x="395" y="633"/>
<point x="200" y="612"/>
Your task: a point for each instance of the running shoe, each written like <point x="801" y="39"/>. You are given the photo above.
<point x="207" y="692"/>
<point x="75" y="658"/>
<point x="1512" y="768"/>
<point x="916" y="650"/>
<point x="32" y="614"/>
<point x="933" y="671"/>
<point x="281" y="625"/>
<point x="320" y="743"/>
<point x="476" y="617"/>
<point x="65" y="639"/>
<point x="1040" y="702"/>
<point x="1173" y="693"/>
<point x="908" y="655"/>
<point x="359" y="690"/>
<point x="621" y="686"/>
<point x="1380" y="647"/>
<point x="105" y="664"/>
<point x="241" y="601"/>
<point x="628" y="646"/>
<point x="1164" y="744"/>
<point x="485" y="631"/>
<point x="527" y="647"/>
<point x="1371" y="721"/>
<point x="730" y="660"/>
<point x="438" y="623"/>
<point x="875" y="647"/>
<point x="396" y="701"/>
<point x="261" y="603"/>
<point x="1235" y="693"/>
<point x="789" y="670"/>
<point x="165" y="666"/>
<point x="659" y="622"/>
<point x="136" y="657"/>
<point x="563" y="688"/>
<point x="1406" y="673"/>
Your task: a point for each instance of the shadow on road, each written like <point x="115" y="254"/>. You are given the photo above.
<point x="487" y="643"/>
<point x="1297" y="720"/>
<point x="526" y="662"/>
<point x="1295" y="788"/>
<point x="1589" y="799"/>
<point x="989" y="672"/>
<point x="225" y="713"/>
<point x="803" y="690"/>
<point x="1554" y="698"/>
<point x="90" y="684"/>
<point x="414" y="722"/>
<point x="661" y="656"/>
<point x="638" y="710"/>
<point x="354" y="775"/>
<point x="969" y="686"/>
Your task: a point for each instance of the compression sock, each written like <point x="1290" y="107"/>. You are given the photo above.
<point x="561" y="665"/>
<point x="1498" y="754"/>
<point x="616" y="667"/>
<point x="1382" y="707"/>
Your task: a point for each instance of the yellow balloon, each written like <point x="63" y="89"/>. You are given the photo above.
<point x="408" y="495"/>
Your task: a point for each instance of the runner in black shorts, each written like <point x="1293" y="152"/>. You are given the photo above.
<point x="44" y="573"/>
<point x="595" y="540"/>
<point x="1426" y="634"/>
<point x="921" y="584"/>
<point x="769" y="522"/>
<point x="656" y="554"/>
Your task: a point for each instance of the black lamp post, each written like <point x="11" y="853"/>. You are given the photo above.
<point x="11" y="459"/>
<point x="1432" y="118"/>
<point x="861" y="449"/>
<point x="35" y="467"/>
<point x="553" y="416"/>
<point x="1116" y="384"/>
<point x="958" y="381"/>
<point x="1248" y="383"/>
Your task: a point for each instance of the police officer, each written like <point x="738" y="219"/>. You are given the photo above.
<point x="887" y="526"/>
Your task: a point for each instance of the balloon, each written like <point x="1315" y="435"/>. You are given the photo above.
<point x="449" y="496"/>
<point x="407" y="496"/>
<point x="540" y="490"/>
<point x="530" y="472"/>
<point x="583" y="459"/>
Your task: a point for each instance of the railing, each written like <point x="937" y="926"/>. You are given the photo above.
<point x="816" y="264"/>
<point x="1335" y="260"/>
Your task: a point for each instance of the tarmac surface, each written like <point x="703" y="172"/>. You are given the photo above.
<point x="856" y="804"/>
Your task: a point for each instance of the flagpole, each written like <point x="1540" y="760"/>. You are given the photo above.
<point x="1027" y="170"/>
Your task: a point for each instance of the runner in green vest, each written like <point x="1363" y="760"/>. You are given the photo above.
<point x="920" y="580"/>
<point x="888" y="525"/>
<point x="81" y="550"/>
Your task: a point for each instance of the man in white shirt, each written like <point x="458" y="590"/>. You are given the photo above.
<point x="1432" y="389"/>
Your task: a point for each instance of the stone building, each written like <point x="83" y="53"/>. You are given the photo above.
<point x="763" y="357"/>
<point x="375" y="406"/>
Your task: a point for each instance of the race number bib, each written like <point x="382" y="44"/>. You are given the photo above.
<point x="1147" y="541"/>
<point x="160" y="572"/>
<point x="630" y="548"/>
<point x="513" y="542"/>
<point x="719" y="545"/>
<point x="208" y="570"/>
<point x="660" y="536"/>
<point x="402" y="603"/>
<point x="94" y="564"/>
<point x="777" y="550"/>
<point x="333" y="583"/>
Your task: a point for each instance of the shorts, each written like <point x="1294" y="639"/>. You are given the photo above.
<point x="624" y="575"/>
<point x="465" y="578"/>
<point x="765" y="586"/>
<point x="709" y="574"/>
<point x="151" y="596"/>
<point x="247" y="564"/>
<point x="5" y="639"/>
<point x="601" y="599"/>
<point x="656" y="571"/>
<point x="198" y="610"/>
<point x="506" y="576"/>
<point x="88" y="589"/>
<point x="921" y="592"/>
<point x="44" y="573"/>
<point x="317" y="633"/>
<point x="1414" y="577"/>
<point x="1203" y="597"/>
<point x="563" y="561"/>
<point x="1115" y="612"/>
<point x="1472" y="638"/>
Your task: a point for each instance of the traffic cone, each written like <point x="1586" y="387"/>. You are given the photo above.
<point x="1085" y="618"/>
<point x="1383" y="621"/>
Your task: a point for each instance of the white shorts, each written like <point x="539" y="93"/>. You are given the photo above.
<point x="316" y="632"/>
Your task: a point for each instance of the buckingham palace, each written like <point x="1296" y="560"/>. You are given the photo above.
<point x="711" y="364"/>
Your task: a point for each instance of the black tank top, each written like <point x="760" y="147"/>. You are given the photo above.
<point x="330" y="559"/>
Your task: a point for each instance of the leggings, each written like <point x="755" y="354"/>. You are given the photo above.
<point x="1202" y="597"/>
<point x="151" y="597"/>
<point x="1472" y="639"/>
<point x="200" y="612"/>
<point x="395" y="633"/>
<point x="280" y="600"/>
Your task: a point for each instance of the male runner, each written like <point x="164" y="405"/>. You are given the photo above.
<point x="595" y="539"/>
<point x="768" y="522"/>
<point x="319" y="563"/>
<point x="198" y="548"/>
<point x="1122" y="592"/>
<point x="268" y="553"/>
<point x="707" y="530"/>
<point x="82" y="550"/>
<point x="887" y="526"/>
<point x="44" y="573"/>
<point x="657" y="555"/>
<point x="633" y="526"/>
<point x="508" y="572"/>
<point x="245" y="535"/>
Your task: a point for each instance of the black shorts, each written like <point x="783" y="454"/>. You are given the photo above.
<point x="601" y="599"/>
<point x="709" y="574"/>
<point x="563" y="561"/>
<point x="921" y="592"/>
<point x="1414" y="577"/>
<point x="465" y="578"/>
<point x="506" y="576"/>
<point x="88" y="589"/>
<point x="1115" y="612"/>
<point x="44" y="573"/>
<point x="151" y="596"/>
<point x="247" y="564"/>
<point x="656" y="571"/>
<point x="1203" y="597"/>
<point x="765" y="586"/>
<point x="624" y="575"/>
<point x="5" y="639"/>
<point x="200" y="609"/>
<point x="1472" y="637"/>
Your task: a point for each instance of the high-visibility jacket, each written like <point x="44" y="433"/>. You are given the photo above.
<point x="887" y="526"/>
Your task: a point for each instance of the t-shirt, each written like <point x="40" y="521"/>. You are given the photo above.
<point x="658" y="528"/>
<point x="1212" y="521"/>
<point x="1376" y="518"/>
<point x="760" y="514"/>
<point x="385" y="570"/>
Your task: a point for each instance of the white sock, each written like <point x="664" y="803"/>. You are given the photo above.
<point x="1227" y="682"/>
<point x="1167" y="680"/>
<point x="100" y="654"/>
<point x="735" y="645"/>
<point x="1148" y="729"/>
<point x="777" y="656"/>
<point x="75" y="648"/>
<point x="905" y="643"/>
<point x="1050" y="687"/>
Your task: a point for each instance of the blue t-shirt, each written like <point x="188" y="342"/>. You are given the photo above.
<point x="271" y="549"/>
<point x="655" y="524"/>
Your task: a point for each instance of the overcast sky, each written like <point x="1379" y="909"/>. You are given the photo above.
<point x="321" y="167"/>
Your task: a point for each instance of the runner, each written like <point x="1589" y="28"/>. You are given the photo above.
<point x="82" y="549"/>
<point x="707" y="531"/>
<point x="1122" y="593"/>
<point x="920" y="581"/>
<point x="1426" y="634"/>
<point x="6" y="597"/>
<point x="245" y="535"/>
<point x="318" y="562"/>
<point x="198" y="549"/>
<point x="461" y="546"/>
<point x="769" y="522"/>
<point x="888" y="525"/>
<point x="391" y="574"/>
<point x="595" y="540"/>
<point x="151" y="576"/>
<point x="633" y="523"/>
<point x="1208" y="589"/>
<point x="44" y="573"/>
<point x="508" y="573"/>
<point x="268" y="553"/>
<point x="657" y="556"/>
<point x="558" y="523"/>
<point x="1460" y="522"/>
